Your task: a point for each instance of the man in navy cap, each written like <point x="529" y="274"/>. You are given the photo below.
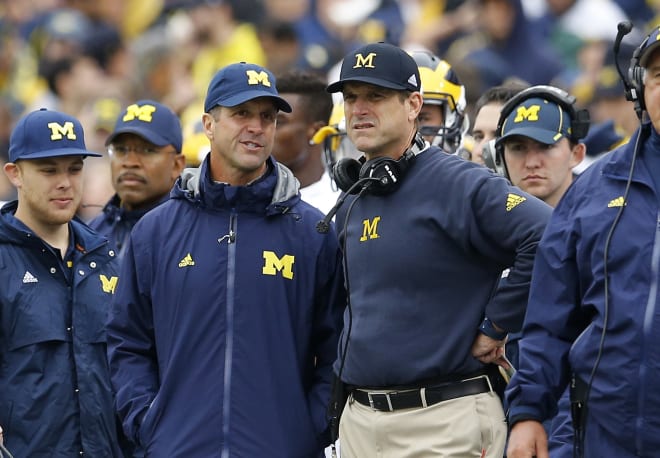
<point x="539" y="141"/>
<point x="223" y="336"/>
<point x="427" y="316"/>
<point x="57" y="278"/>
<point x="145" y="160"/>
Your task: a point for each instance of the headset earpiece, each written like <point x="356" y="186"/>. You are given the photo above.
<point x="636" y="78"/>
<point x="389" y="172"/>
<point x="346" y="172"/>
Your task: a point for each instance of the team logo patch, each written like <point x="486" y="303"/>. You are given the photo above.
<point x="108" y="284"/>
<point x="513" y="200"/>
<point x="618" y="202"/>
<point x="187" y="261"/>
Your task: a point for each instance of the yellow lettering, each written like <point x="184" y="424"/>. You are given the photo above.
<point x="143" y="113"/>
<point x="255" y="77"/>
<point x="370" y="228"/>
<point x="58" y="132"/>
<point x="361" y="61"/>
<point x="108" y="284"/>
<point x="273" y="264"/>
<point x="529" y="114"/>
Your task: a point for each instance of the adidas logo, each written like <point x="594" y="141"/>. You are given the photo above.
<point x="618" y="202"/>
<point x="512" y="201"/>
<point x="412" y="80"/>
<point x="29" y="278"/>
<point x="187" y="261"/>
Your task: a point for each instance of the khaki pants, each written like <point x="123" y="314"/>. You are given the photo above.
<point x="470" y="426"/>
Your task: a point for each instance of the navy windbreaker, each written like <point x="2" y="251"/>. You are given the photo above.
<point x="55" y="394"/>
<point x="225" y="326"/>
<point x="565" y="319"/>
<point x="116" y="223"/>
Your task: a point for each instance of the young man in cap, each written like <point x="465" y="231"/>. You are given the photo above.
<point x="593" y="307"/>
<point x="57" y="278"/>
<point x="539" y="141"/>
<point x="145" y="161"/>
<point x="222" y="337"/>
<point x="426" y="316"/>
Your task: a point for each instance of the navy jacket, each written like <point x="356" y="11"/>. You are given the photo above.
<point x="55" y="394"/>
<point x="423" y="265"/>
<point x="223" y="334"/>
<point x="566" y="315"/>
<point x="116" y="222"/>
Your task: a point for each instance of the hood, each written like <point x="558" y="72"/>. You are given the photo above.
<point x="277" y="189"/>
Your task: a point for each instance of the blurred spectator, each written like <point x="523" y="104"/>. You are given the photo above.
<point x="280" y="43"/>
<point x="311" y="105"/>
<point x="487" y="114"/>
<point x="333" y="27"/>
<point x="435" y="25"/>
<point x="507" y="43"/>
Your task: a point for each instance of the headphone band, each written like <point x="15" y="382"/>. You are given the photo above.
<point x="580" y="119"/>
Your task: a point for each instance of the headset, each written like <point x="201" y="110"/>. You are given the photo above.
<point x="388" y="172"/>
<point x="580" y="121"/>
<point x="379" y="176"/>
<point x="634" y="84"/>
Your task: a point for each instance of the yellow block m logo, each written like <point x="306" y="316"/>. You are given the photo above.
<point x="529" y="114"/>
<point x="361" y="61"/>
<point x="108" y="284"/>
<point x="273" y="264"/>
<point x="369" y="229"/>
<point x="255" y="77"/>
<point x="58" y="131"/>
<point x="143" y="113"/>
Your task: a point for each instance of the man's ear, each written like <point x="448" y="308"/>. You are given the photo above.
<point x="416" y="103"/>
<point x="13" y="173"/>
<point x="577" y="154"/>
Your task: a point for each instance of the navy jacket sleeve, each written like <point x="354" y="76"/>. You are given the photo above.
<point x="329" y="308"/>
<point x="553" y="320"/>
<point x="508" y="220"/>
<point x="131" y="350"/>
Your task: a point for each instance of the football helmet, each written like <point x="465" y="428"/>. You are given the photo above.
<point x="336" y="144"/>
<point x="441" y="86"/>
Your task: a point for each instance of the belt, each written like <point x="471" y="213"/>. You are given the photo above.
<point x="421" y="397"/>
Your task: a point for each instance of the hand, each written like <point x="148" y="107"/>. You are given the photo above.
<point x="528" y="439"/>
<point x="487" y="350"/>
<point x="2" y="439"/>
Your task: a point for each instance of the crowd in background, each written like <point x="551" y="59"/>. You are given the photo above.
<point x="91" y="58"/>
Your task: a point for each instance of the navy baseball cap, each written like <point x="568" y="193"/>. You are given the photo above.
<point x="47" y="133"/>
<point x="152" y="121"/>
<point x="651" y="45"/>
<point x="241" y="82"/>
<point x="380" y="64"/>
<point x="539" y="119"/>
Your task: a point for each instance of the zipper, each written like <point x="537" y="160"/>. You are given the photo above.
<point x="647" y="332"/>
<point x="230" y="237"/>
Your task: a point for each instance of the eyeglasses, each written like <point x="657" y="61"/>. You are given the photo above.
<point x="122" y="151"/>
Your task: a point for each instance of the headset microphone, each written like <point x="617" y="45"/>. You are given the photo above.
<point x="323" y="226"/>
<point x="623" y="29"/>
